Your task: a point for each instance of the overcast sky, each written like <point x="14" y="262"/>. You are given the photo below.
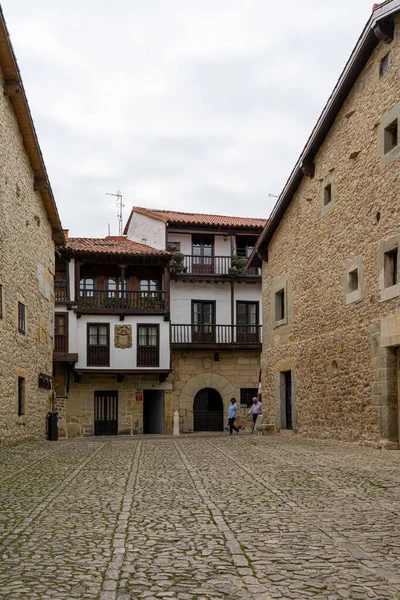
<point x="194" y="105"/>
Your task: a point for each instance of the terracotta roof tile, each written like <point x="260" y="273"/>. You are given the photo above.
<point x="112" y="245"/>
<point x="184" y="218"/>
<point x="376" y="6"/>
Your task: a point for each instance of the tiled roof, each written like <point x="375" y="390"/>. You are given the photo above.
<point x="376" y="6"/>
<point x="184" y="218"/>
<point x="112" y="245"/>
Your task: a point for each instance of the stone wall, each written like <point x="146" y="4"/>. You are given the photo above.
<point x="198" y="369"/>
<point x="78" y="407"/>
<point x="26" y="276"/>
<point x="344" y="381"/>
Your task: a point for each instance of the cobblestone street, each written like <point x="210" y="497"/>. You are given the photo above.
<point x="202" y="517"/>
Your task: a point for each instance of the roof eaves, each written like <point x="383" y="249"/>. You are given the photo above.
<point x="363" y="49"/>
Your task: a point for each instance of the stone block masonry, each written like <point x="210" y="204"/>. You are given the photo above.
<point x="26" y="277"/>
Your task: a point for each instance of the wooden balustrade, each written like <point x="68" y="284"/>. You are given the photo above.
<point x="118" y="300"/>
<point x="61" y="291"/>
<point x="216" y="334"/>
<point x="211" y="265"/>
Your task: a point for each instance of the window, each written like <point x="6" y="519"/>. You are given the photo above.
<point x="61" y="333"/>
<point x="390" y="137"/>
<point x="148" y="285"/>
<point x="245" y="247"/>
<point x="389" y="257"/>
<point x="87" y="286"/>
<point x="113" y="285"/>
<point x="98" y="345"/>
<point x="203" y="251"/>
<point x="21" y="396"/>
<point x="174" y="246"/>
<point x="328" y="194"/>
<point x="354" y="284"/>
<point x="203" y="323"/>
<point x="280" y="311"/>
<point x="246" y="396"/>
<point x="247" y="322"/>
<point x="353" y="280"/>
<point x="21" y="318"/>
<point x="384" y="66"/>
<point x="391" y="268"/>
<point x="148" y="350"/>
<point x="1" y="301"/>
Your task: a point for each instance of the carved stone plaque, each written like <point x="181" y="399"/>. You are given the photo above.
<point x="123" y="336"/>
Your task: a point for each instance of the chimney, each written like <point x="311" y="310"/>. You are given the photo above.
<point x="66" y="232"/>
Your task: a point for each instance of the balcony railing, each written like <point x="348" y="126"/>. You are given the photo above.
<point x="118" y="300"/>
<point x="216" y="334"/>
<point x="60" y="343"/>
<point x="61" y="291"/>
<point x="212" y="265"/>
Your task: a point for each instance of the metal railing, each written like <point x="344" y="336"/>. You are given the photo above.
<point x="116" y="299"/>
<point x="216" y="334"/>
<point x="61" y="291"/>
<point x="211" y="265"/>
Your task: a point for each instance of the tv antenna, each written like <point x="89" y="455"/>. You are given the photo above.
<point x="120" y="206"/>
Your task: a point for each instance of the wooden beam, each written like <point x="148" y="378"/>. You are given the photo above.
<point x="308" y="168"/>
<point x="384" y="31"/>
<point x="12" y="87"/>
<point x="40" y="184"/>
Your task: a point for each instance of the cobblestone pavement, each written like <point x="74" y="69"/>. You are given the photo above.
<point x="199" y="517"/>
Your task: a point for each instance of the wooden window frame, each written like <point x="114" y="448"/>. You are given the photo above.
<point x="21" y="318"/>
<point x="138" y="345"/>
<point x="66" y="319"/>
<point x="248" y="302"/>
<point x="88" y="325"/>
<point x="177" y="244"/>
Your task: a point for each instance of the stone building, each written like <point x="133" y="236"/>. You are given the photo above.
<point x="330" y="251"/>
<point x="29" y="228"/>
<point x="162" y="319"/>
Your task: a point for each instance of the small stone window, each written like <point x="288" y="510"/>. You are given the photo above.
<point x="246" y="396"/>
<point x="280" y="311"/>
<point x="391" y="268"/>
<point x="384" y="66"/>
<point x="21" y="396"/>
<point x="21" y="318"/>
<point x="389" y="258"/>
<point x="354" y="288"/>
<point x="391" y="136"/>
<point x="353" y="280"/>
<point x="328" y="194"/>
<point x="388" y="147"/>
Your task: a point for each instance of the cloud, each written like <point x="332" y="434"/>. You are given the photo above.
<point x="183" y="104"/>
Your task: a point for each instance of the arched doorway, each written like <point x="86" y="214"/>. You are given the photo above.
<point x="208" y="411"/>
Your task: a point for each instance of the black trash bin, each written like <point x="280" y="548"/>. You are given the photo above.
<point x="52" y="426"/>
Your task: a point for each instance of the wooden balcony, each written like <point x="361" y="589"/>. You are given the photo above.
<point x="61" y="353"/>
<point x="216" y="336"/>
<point x="116" y="301"/>
<point x="214" y="266"/>
<point x="61" y="291"/>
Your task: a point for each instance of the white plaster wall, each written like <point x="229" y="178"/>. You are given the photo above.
<point x="222" y="247"/>
<point x="143" y="228"/>
<point x="249" y="292"/>
<point x="119" y="358"/>
<point x="184" y="238"/>
<point x="183" y="293"/>
<point x="71" y="274"/>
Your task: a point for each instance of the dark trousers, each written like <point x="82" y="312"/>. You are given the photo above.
<point x="232" y="425"/>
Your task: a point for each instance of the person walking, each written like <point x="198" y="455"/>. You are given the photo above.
<point x="232" y="413"/>
<point x="255" y="410"/>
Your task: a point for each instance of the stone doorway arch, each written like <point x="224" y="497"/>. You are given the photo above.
<point x="195" y="384"/>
